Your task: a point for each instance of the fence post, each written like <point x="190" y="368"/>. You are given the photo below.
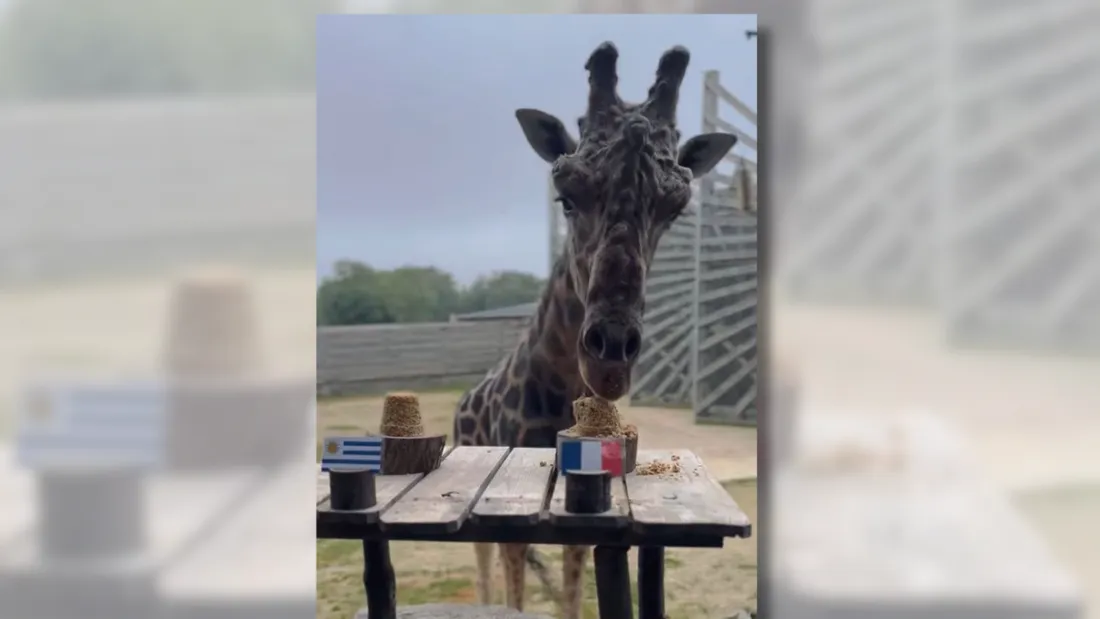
<point x="706" y="190"/>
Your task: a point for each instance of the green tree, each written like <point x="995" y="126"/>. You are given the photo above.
<point x="501" y="289"/>
<point x="359" y="294"/>
<point x="420" y="294"/>
<point x="61" y="48"/>
<point x="355" y="295"/>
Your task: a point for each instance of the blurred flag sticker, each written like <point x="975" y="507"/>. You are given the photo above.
<point x="73" y="424"/>
<point x="352" y="452"/>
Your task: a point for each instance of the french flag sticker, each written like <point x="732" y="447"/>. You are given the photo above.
<point x="591" y="455"/>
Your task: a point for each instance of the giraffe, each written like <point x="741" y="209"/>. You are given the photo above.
<point x="620" y="186"/>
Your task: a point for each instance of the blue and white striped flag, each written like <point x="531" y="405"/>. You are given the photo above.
<point x="352" y="452"/>
<point x="74" y="424"/>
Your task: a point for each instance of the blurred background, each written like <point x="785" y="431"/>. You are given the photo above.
<point x="157" y="214"/>
<point x="928" y="198"/>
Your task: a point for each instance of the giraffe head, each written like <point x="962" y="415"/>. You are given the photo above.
<point x="621" y="185"/>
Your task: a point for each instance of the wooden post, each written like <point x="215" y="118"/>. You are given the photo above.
<point x="651" y="582"/>
<point x="379" y="580"/>
<point x="613" y="582"/>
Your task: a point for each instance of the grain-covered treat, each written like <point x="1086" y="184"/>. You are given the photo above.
<point x="401" y="415"/>
<point x="596" y="417"/>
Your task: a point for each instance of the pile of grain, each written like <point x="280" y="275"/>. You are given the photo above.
<point x="660" y="468"/>
<point x="401" y="415"/>
<point x="596" y="417"/>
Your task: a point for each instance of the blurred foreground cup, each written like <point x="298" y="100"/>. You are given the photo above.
<point x="226" y="410"/>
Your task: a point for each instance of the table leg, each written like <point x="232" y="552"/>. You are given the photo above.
<point x="613" y="582"/>
<point x="651" y="582"/>
<point x="379" y="580"/>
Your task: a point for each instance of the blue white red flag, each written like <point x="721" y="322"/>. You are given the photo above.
<point x="591" y="455"/>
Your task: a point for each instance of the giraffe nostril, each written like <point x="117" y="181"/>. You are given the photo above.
<point x="593" y="342"/>
<point x="612" y="341"/>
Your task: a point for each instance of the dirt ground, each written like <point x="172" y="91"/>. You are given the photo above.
<point x="701" y="583"/>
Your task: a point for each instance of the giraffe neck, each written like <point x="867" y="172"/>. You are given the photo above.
<point x="542" y="373"/>
<point x="554" y="332"/>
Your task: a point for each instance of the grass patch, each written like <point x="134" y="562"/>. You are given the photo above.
<point x="442" y="591"/>
<point x="339" y="552"/>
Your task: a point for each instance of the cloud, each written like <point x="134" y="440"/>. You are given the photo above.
<point x="420" y="159"/>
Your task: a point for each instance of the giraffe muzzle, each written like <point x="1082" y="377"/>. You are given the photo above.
<point x="608" y="350"/>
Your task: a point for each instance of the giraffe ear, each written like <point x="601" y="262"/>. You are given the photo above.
<point x="701" y="153"/>
<point x="546" y="134"/>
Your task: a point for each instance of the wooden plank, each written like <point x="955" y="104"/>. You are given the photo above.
<point x="688" y="500"/>
<point x="387" y="488"/>
<point x="616" y="517"/>
<point x="518" y="491"/>
<point x="441" y="501"/>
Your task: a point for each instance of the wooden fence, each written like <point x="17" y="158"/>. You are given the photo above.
<point x="367" y="358"/>
<point x="724" y="323"/>
<point x="700" y="330"/>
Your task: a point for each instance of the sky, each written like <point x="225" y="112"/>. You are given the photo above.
<point x="420" y="160"/>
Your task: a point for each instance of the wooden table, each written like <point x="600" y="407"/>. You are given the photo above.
<point x="504" y="495"/>
<point x="924" y="534"/>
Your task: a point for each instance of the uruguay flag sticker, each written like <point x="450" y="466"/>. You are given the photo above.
<point x="352" y="452"/>
<point x="579" y="454"/>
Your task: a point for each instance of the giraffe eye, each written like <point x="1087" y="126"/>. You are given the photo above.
<point x="567" y="205"/>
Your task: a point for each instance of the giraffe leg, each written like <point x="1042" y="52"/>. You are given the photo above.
<point x="572" y="580"/>
<point x="515" y="564"/>
<point x="484" y="573"/>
